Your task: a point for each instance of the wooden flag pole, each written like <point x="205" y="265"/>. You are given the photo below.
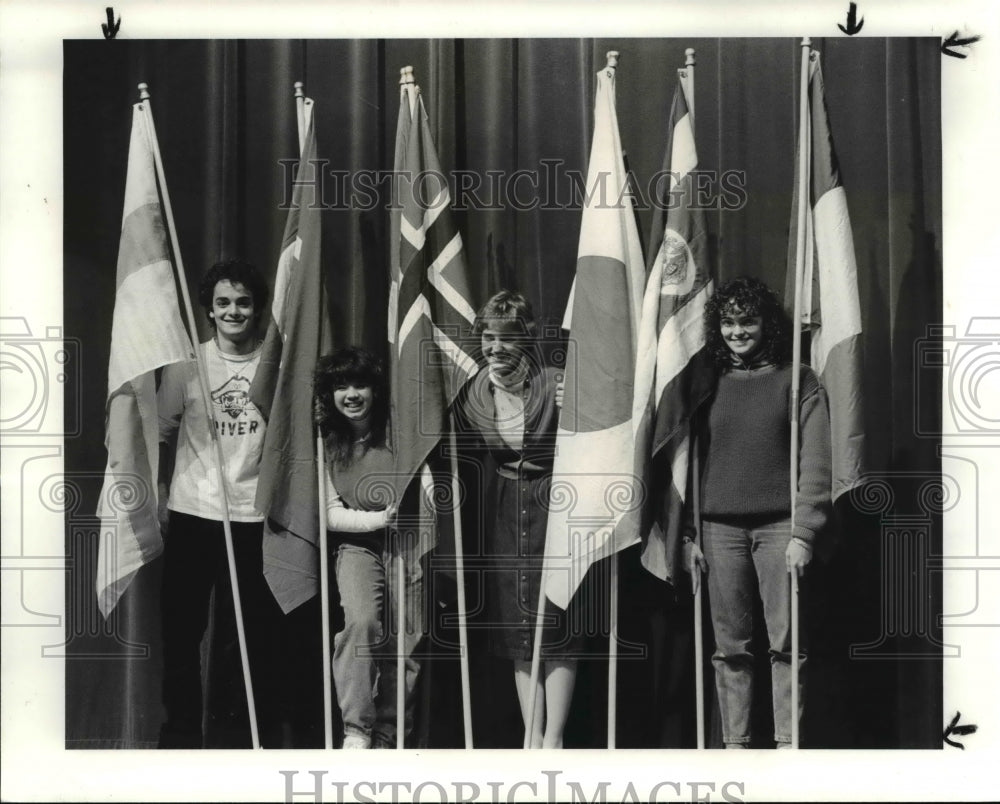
<point x="699" y="639"/>
<point x="400" y="644"/>
<point x="324" y="555"/>
<point x="536" y="658"/>
<point x="689" y="62"/>
<point x="300" y="114"/>
<point x="800" y="254"/>
<point x="324" y="592"/>
<point x="406" y="78"/>
<point x="687" y="84"/>
<point x="144" y="96"/>
<point x="612" y="57"/>
<point x="463" y="636"/>
<point x="613" y="651"/>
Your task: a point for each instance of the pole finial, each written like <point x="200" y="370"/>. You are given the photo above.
<point x="689" y="57"/>
<point x="144" y="91"/>
<point x="406" y="75"/>
<point x="806" y="41"/>
<point x="299" y="87"/>
<point x="612" y="56"/>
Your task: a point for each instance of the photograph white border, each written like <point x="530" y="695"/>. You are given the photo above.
<point x="35" y="765"/>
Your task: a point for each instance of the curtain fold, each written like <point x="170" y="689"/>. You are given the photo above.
<point x="513" y="122"/>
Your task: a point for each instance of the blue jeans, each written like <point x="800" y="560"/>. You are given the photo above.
<point x="364" y="652"/>
<point x="744" y="560"/>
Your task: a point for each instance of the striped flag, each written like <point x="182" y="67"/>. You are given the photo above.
<point x="146" y="334"/>
<point x="430" y="308"/>
<point x="297" y="334"/>
<point x="672" y="375"/>
<point x="830" y="303"/>
<point x="593" y="470"/>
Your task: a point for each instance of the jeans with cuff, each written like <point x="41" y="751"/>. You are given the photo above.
<point x="746" y="559"/>
<point x="364" y="651"/>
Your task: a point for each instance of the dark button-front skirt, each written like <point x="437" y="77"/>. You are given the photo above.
<point x="516" y="548"/>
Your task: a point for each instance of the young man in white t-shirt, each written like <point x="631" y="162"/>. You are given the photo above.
<point x="234" y="296"/>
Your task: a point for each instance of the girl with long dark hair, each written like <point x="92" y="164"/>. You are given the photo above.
<point x="352" y="411"/>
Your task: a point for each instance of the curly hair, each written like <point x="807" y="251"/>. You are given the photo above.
<point x="235" y="270"/>
<point x="352" y="364"/>
<point x="752" y="297"/>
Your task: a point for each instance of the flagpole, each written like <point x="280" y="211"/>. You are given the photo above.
<point x="300" y="114"/>
<point x="699" y="647"/>
<point x="406" y="78"/>
<point x="536" y="658"/>
<point x="612" y="57"/>
<point x="793" y="464"/>
<point x="613" y="652"/>
<point x="144" y="96"/>
<point x="324" y="593"/>
<point x="689" y="82"/>
<point x="324" y="557"/>
<point x="686" y="75"/>
<point x="400" y="643"/>
<point x="463" y="637"/>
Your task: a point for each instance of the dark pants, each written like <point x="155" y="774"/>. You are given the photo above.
<point x="195" y="562"/>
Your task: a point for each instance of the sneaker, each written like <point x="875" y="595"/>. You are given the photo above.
<point x="355" y="742"/>
<point x="381" y="741"/>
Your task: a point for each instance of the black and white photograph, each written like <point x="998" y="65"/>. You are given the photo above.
<point x="544" y="382"/>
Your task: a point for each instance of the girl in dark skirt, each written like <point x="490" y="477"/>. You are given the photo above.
<point x="513" y="408"/>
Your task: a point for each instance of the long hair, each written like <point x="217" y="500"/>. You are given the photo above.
<point x="235" y="270"/>
<point x="754" y="298"/>
<point x="356" y="365"/>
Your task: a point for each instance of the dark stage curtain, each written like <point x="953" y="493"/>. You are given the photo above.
<point x="226" y="123"/>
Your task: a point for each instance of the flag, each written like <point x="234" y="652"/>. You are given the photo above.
<point x="297" y="335"/>
<point x="593" y="469"/>
<point x="673" y="375"/>
<point x="146" y="333"/>
<point x="831" y="309"/>
<point x="430" y="311"/>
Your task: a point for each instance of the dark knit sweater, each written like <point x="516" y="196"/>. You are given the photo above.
<point x="748" y="446"/>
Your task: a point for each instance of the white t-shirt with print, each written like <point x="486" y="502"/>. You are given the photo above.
<point x="195" y="486"/>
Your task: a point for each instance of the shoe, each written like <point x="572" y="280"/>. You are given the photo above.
<point x="353" y="742"/>
<point x="381" y="741"/>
